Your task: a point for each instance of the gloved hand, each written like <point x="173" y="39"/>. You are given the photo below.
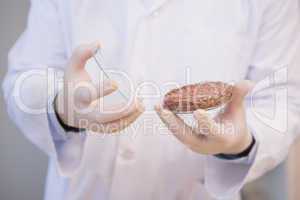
<point x="80" y="103"/>
<point x="227" y="133"/>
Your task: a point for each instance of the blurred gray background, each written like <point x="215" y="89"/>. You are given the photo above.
<point x="23" y="167"/>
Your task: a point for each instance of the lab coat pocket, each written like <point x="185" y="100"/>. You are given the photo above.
<point x="88" y="185"/>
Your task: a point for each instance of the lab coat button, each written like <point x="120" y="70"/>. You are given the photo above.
<point x="127" y="154"/>
<point x="202" y="181"/>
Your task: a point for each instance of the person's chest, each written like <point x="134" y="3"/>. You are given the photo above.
<point x="183" y="40"/>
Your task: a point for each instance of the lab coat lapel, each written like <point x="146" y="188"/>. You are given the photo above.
<point x="153" y="5"/>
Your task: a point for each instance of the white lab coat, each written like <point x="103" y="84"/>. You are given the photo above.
<point x="158" y="41"/>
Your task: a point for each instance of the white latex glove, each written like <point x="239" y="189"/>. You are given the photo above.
<point x="226" y="134"/>
<point x="80" y="104"/>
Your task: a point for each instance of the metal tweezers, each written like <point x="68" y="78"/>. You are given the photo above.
<point x="98" y="60"/>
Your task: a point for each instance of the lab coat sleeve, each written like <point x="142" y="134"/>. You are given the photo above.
<point x="35" y="70"/>
<point x="272" y="106"/>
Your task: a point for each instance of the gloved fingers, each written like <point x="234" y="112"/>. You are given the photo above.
<point x="81" y="55"/>
<point x="85" y="92"/>
<point x="205" y="124"/>
<point x="103" y="113"/>
<point x="181" y="130"/>
<point x="115" y="126"/>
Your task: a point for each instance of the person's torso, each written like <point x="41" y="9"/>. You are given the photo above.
<point x="158" y="45"/>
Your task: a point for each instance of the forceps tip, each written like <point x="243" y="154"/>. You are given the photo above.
<point x="96" y="50"/>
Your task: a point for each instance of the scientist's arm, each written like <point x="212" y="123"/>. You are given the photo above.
<point x="41" y="46"/>
<point x="34" y="89"/>
<point x="270" y="113"/>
